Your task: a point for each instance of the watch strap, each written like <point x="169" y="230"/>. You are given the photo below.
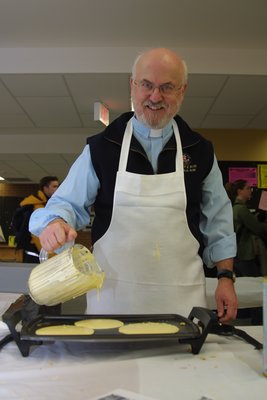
<point x="226" y="273"/>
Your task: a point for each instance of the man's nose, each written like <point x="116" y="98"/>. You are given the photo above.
<point x="156" y="95"/>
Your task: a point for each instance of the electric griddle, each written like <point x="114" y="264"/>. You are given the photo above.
<point x="24" y="312"/>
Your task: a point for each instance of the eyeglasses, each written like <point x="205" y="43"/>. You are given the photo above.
<point x="166" y="89"/>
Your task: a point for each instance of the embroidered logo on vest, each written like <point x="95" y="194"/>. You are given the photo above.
<point x="188" y="167"/>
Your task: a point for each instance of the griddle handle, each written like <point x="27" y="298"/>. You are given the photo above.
<point x="24" y="309"/>
<point x="209" y="322"/>
<point x="205" y="316"/>
<point x="11" y="317"/>
<point x="13" y="313"/>
<point x="206" y="319"/>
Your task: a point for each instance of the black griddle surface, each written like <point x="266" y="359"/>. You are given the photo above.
<point x="192" y="330"/>
<point x="187" y="329"/>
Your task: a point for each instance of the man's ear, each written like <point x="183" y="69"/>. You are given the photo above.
<point x="184" y="88"/>
<point x="183" y="91"/>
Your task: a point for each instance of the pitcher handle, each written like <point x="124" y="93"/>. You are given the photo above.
<point x="43" y="255"/>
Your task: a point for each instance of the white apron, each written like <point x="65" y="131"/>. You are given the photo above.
<point x="148" y="253"/>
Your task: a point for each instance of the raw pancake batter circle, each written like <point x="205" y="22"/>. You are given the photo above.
<point x="148" y="328"/>
<point x="99" y="323"/>
<point x="64" y="330"/>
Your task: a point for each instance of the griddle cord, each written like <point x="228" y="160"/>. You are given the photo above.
<point x="229" y="330"/>
<point x="7" y="339"/>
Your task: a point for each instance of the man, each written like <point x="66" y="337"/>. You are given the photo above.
<point x="47" y="186"/>
<point x="159" y="203"/>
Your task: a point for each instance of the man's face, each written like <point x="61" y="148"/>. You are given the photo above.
<point x="153" y="105"/>
<point x="50" y="188"/>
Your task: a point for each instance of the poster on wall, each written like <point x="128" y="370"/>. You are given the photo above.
<point x="247" y="174"/>
<point x="263" y="201"/>
<point x="262" y="176"/>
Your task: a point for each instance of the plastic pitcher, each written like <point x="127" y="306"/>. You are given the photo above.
<point x="65" y="276"/>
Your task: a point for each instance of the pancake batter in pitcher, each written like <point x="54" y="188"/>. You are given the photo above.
<point x="161" y="210"/>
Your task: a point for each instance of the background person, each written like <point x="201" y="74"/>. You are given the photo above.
<point x="160" y="205"/>
<point x="29" y="242"/>
<point x="251" y="251"/>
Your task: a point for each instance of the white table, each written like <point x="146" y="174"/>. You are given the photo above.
<point x="225" y="369"/>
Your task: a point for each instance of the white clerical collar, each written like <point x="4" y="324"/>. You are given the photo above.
<point x="155" y="132"/>
<point x="147" y="132"/>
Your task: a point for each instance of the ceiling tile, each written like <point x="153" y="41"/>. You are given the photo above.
<point x="9" y="169"/>
<point x="242" y="95"/>
<point x="21" y="85"/>
<point x="47" y="158"/>
<point x="70" y="158"/>
<point x="10" y="157"/>
<point x="15" y="121"/>
<point x="8" y="104"/>
<point x="110" y="89"/>
<point x="194" y="110"/>
<point x="51" y="111"/>
<point x="204" y="85"/>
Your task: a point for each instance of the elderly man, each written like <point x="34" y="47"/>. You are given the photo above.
<point x="160" y="206"/>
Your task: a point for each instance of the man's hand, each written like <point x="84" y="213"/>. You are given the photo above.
<point x="225" y="295"/>
<point x="226" y="300"/>
<point x="56" y="234"/>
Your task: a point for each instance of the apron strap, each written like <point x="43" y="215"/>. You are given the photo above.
<point x="126" y="145"/>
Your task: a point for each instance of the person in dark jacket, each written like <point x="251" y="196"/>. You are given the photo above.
<point x="47" y="186"/>
<point x="160" y="206"/>
<point x="249" y="232"/>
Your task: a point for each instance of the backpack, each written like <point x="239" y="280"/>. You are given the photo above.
<point x="20" y="226"/>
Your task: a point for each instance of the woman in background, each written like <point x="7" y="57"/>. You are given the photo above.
<point x="250" y="260"/>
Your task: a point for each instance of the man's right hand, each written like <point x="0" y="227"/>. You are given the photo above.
<point x="56" y="234"/>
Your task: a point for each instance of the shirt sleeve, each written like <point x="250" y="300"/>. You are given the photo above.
<point x="216" y="221"/>
<point x="73" y="198"/>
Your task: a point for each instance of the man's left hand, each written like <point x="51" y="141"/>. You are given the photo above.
<point x="226" y="300"/>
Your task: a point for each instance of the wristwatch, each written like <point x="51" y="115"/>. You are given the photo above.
<point x="226" y="273"/>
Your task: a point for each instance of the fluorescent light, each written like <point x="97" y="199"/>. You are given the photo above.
<point x="1" y="178"/>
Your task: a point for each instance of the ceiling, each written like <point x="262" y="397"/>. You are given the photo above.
<point x="58" y="57"/>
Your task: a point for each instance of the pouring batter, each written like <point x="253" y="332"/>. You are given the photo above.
<point x="161" y="211"/>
